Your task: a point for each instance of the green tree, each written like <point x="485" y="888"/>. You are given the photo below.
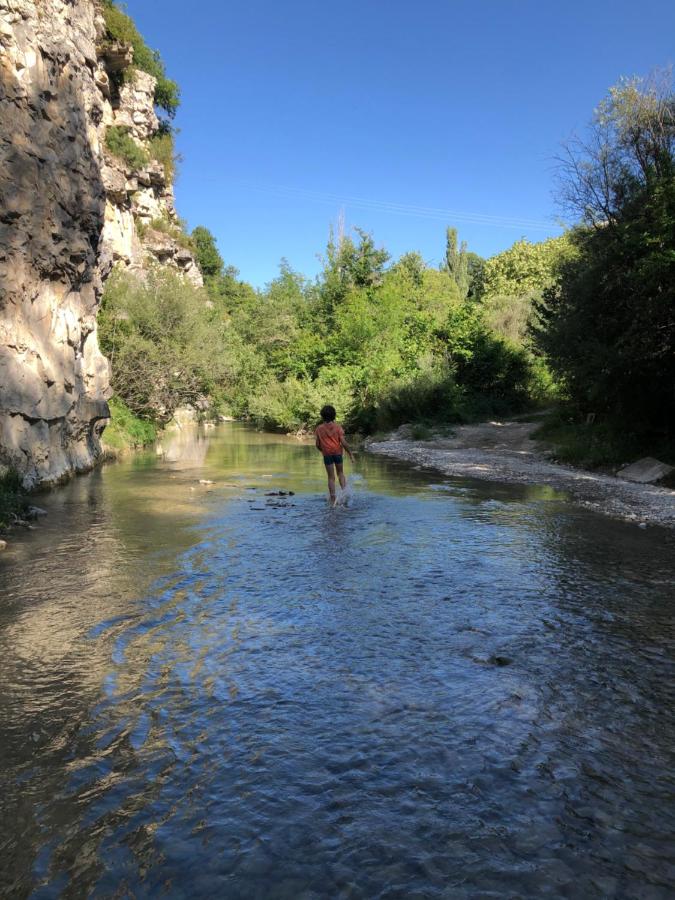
<point x="608" y="323"/>
<point x="348" y="265"/>
<point x="512" y="283"/>
<point x="165" y="347"/>
<point x="475" y="268"/>
<point x="209" y="259"/>
<point x="456" y="261"/>
<point x="525" y="267"/>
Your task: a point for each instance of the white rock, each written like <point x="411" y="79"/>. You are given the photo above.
<point x="645" y="471"/>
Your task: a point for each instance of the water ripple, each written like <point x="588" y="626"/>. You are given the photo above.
<point x="436" y="692"/>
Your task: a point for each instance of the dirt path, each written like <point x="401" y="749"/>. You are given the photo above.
<point x="504" y="451"/>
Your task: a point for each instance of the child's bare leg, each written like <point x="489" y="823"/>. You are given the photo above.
<point x="341" y="475"/>
<point x="330" y="472"/>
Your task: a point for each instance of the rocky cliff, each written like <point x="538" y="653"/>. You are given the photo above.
<point x="69" y="210"/>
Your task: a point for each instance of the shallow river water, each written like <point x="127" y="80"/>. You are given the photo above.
<point x="444" y="689"/>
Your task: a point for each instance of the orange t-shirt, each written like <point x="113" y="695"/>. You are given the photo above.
<point x="329" y="436"/>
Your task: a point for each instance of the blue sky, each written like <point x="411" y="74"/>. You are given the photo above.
<point x="408" y="115"/>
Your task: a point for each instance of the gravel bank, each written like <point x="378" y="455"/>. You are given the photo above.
<point x="504" y="451"/>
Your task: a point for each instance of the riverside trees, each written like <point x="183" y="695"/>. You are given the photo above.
<point x="391" y="341"/>
<point x="384" y="342"/>
<point x="607" y="323"/>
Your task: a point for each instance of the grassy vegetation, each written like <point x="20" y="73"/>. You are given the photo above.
<point x="421" y="432"/>
<point x="163" y="150"/>
<point x="126" y="431"/>
<point x="601" y="444"/>
<point x="13" y="500"/>
<point x="121" y="144"/>
<point x="176" y="230"/>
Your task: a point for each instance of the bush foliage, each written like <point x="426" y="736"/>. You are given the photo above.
<point x="608" y="322"/>
<point x="163" y="351"/>
<point x="13" y="500"/>
<point x="162" y="149"/>
<point x="384" y="343"/>
<point x="121" y="144"/>
<point x="588" y="317"/>
<point x="127" y="431"/>
<point x="120" y="27"/>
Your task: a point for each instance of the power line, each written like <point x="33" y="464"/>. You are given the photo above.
<point x="422" y="212"/>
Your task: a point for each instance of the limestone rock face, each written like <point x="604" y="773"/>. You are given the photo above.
<point x="136" y="109"/>
<point x="69" y="210"/>
<point x="53" y="378"/>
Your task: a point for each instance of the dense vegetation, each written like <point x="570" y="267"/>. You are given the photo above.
<point x="121" y="144"/>
<point x="384" y="342"/>
<point x="586" y="319"/>
<point x="127" y="430"/>
<point x="165" y="347"/>
<point x="607" y="322"/>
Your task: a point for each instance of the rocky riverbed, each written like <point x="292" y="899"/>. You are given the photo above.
<point x="506" y="451"/>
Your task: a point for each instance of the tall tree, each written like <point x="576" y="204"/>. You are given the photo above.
<point x="209" y="259"/>
<point x="608" y="324"/>
<point x="456" y="261"/>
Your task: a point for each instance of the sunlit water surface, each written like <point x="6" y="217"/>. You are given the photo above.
<point x="445" y="689"/>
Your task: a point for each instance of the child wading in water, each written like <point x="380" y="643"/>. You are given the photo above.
<point x="330" y="440"/>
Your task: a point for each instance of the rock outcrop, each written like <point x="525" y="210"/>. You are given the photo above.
<point x="68" y="211"/>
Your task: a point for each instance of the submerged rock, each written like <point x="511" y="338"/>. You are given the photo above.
<point x="497" y="660"/>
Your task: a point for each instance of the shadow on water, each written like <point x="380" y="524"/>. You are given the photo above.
<point x="445" y="688"/>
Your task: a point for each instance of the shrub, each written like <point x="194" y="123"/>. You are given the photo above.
<point x="125" y="429"/>
<point x="599" y="443"/>
<point x="421" y="432"/>
<point x="120" y="27"/>
<point x="292" y="404"/>
<point x="121" y="144"/>
<point x="162" y="149"/>
<point x="13" y="501"/>
<point x="431" y="394"/>
<point x="165" y="348"/>
<point x="175" y="230"/>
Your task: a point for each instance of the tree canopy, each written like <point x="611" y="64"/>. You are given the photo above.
<point x="608" y="322"/>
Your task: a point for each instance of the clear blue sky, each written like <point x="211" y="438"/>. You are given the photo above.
<point x="397" y="111"/>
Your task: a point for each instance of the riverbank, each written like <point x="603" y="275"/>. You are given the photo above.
<point x="507" y="452"/>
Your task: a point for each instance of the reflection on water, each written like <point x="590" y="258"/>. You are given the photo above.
<point x="447" y="688"/>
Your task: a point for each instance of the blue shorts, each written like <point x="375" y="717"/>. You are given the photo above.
<point x="333" y="459"/>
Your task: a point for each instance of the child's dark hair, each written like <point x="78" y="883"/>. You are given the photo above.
<point x="328" y="413"/>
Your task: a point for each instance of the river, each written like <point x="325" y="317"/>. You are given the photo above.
<point x="443" y="689"/>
